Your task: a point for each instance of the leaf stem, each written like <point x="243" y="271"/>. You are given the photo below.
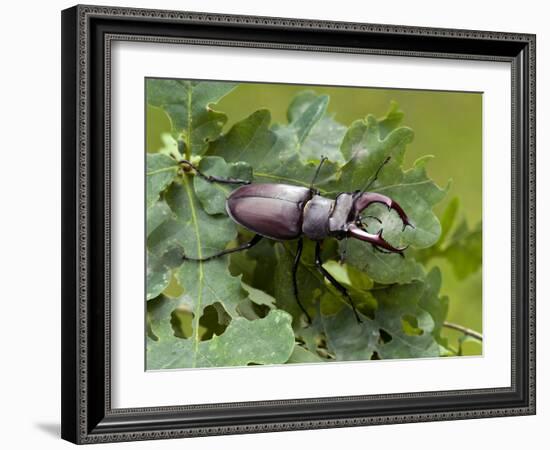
<point x="464" y="330"/>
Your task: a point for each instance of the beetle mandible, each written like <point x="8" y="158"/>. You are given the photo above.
<point x="284" y="212"/>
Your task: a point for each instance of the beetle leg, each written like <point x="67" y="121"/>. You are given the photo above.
<point x="368" y="198"/>
<point x="212" y="178"/>
<point x="333" y="280"/>
<point x="245" y="246"/>
<point x="344" y="251"/>
<point x="294" y="278"/>
<point x="375" y="239"/>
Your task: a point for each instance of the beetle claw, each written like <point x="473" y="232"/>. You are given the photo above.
<point x="375" y="239"/>
<point x="406" y="224"/>
<point x="368" y="198"/>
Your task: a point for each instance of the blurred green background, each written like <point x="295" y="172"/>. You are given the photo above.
<point x="447" y="125"/>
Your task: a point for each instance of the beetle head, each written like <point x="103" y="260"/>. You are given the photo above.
<point x="357" y="230"/>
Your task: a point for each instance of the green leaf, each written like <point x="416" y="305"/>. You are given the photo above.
<point x="324" y="139"/>
<point x="158" y="213"/>
<point x="300" y="355"/>
<point x="391" y="120"/>
<point x="313" y="335"/>
<point x="200" y="235"/>
<point x="210" y="282"/>
<point x="197" y="232"/>
<point x="186" y="230"/>
<point x="417" y="194"/>
<point x="348" y="275"/>
<point x="401" y="308"/>
<point x="309" y="136"/>
<point x="309" y="280"/>
<point x="181" y="227"/>
<point x="366" y="146"/>
<point x="258" y="296"/>
<point x="304" y="112"/>
<point x="273" y="153"/>
<point x="159" y="270"/>
<point x="159" y="316"/>
<point x="365" y="150"/>
<point x="349" y="340"/>
<point x="464" y="251"/>
<point x="160" y="260"/>
<point x="166" y="236"/>
<point x="389" y="333"/>
<point x="158" y="275"/>
<point x="291" y="170"/>
<point x="438" y="307"/>
<point x="317" y="134"/>
<point x="213" y="195"/>
<point x="273" y="273"/>
<point x="161" y="171"/>
<point x="382" y="267"/>
<point x="448" y="219"/>
<point x="249" y="140"/>
<point x="187" y="103"/>
<point x="264" y="341"/>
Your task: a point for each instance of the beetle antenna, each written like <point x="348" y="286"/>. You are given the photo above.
<point x="375" y="176"/>
<point x="323" y="159"/>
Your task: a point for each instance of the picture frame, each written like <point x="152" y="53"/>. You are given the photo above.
<point x="88" y="33"/>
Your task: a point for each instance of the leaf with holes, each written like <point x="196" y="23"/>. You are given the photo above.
<point x="401" y="327"/>
<point x="207" y="283"/>
<point x="264" y="341"/>
<point x="242" y="309"/>
<point x="161" y="170"/>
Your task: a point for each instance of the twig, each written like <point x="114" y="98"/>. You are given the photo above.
<point x="466" y="331"/>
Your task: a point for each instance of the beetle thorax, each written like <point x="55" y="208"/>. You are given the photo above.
<point x="324" y="217"/>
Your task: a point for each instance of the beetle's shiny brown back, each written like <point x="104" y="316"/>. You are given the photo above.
<point x="271" y="210"/>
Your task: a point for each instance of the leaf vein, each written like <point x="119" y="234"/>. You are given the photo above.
<point x="200" y="281"/>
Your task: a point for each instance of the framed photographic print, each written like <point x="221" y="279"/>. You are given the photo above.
<point x="281" y="224"/>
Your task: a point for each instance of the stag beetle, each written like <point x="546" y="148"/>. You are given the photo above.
<point x="285" y="212"/>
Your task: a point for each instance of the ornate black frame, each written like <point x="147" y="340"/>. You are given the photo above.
<point x="87" y="32"/>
